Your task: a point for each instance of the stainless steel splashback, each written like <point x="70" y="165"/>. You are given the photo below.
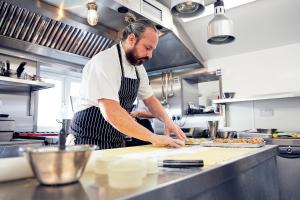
<point x="182" y="93"/>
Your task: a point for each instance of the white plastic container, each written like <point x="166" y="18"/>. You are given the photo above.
<point x="101" y="164"/>
<point x="152" y="165"/>
<point x="126" y="173"/>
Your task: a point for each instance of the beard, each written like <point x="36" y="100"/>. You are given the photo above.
<point x="132" y="57"/>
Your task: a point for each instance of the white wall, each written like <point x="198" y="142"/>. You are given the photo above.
<point x="261" y="72"/>
<point x="267" y="71"/>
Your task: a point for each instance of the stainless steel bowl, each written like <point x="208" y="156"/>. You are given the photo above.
<point x="229" y="95"/>
<point x="52" y="166"/>
<point x="226" y="134"/>
<point x="264" y="130"/>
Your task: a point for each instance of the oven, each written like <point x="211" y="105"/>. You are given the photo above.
<point x="288" y="166"/>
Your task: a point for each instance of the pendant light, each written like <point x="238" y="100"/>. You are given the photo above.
<point x="92" y="16"/>
<point x="187" y="8"/>
<point x="220" y="28"/>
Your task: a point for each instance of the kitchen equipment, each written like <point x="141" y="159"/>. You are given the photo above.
<point x="7" y="127"/>
<point x="231" y="145"/>
<point x="2" y="68"/>
<point x="7" y="72"/>
<point x="53" y="166"/>
<point x="63" y="132"/>
<point x="101" y="164"/>
<point x="212" y="128"/>
<point x="269" y="131"/>
<point x="252" y="135"/>
<point x="20" y="69"/>
<point x="14" y="168"/>
<point x="6" y="135"/>
<point x="226" y="134"/>
<point x="288" y="165"/>
<point x="126" y="173"/>
<point x="181" y="163"/>
<point x="229" y="95"/>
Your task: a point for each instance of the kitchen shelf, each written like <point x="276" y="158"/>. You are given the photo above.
<point x="13" y="84"/>
<point x="257" y="98"/>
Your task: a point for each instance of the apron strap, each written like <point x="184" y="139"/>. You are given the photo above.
<point x="121" y="63"/>
<point x="120" y="59"/>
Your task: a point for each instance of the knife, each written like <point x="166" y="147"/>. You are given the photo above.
<point x="181" y="163"/>
<point x="20" y="69"/>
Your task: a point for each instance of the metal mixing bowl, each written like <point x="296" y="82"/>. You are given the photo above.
<point x="52" y="166"/>
<point x="229" y="95"/>
<point x="226" y="134"/>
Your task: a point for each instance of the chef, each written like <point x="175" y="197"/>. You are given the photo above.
<point x="111" y="81"/>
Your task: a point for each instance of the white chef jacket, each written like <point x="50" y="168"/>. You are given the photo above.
<point x="101" y="78"/>
<point x="139" y="105"/>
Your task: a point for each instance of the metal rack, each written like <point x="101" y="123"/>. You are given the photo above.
<point x="260" y="97"/>
<point x="15" y="85"/>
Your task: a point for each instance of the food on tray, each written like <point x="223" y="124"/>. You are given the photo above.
<point x="190" y="141"/>
<point x="240" y="140"/>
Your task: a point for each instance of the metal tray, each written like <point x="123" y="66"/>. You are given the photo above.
<point x="231" y="145"/>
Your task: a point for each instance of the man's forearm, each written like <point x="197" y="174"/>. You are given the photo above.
<point x="156" y="109"/>
<point x="122" y="121"/>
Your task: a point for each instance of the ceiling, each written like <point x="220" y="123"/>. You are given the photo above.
<point x="258" y="25"/>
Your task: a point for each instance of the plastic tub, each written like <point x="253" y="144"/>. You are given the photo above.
<point x="152" y="165"/>
<point x="126" y="173"/>
<point x="101" y="164"/>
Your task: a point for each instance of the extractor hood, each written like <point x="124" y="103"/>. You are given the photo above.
<point x="39" y="28"/>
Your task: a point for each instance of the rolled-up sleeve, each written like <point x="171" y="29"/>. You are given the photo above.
<point x="102" y="79"/>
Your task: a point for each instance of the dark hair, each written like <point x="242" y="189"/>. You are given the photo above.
<point x="137" y="28"/>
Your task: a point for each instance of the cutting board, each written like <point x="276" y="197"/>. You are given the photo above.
<point x="210" y="155"/>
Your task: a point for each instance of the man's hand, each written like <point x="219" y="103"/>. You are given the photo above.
<point x="164" y="140"/>
<point x="134" y="114"/>
<point x="171" y="127"/>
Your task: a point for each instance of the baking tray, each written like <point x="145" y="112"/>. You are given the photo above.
<point x="231" y="145"/>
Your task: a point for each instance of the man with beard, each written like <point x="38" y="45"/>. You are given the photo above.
<point x="111" y="81"/>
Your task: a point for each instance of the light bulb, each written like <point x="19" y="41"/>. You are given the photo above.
<point x="92" y="16"/>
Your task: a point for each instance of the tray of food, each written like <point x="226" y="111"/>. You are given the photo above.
<point x="235" y="143"/>
<point x="195" y="141"/>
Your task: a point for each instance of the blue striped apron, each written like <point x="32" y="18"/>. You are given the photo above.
<point x="89" y="125"/>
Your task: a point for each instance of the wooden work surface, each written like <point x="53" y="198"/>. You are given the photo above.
<point x="210" y="155"/>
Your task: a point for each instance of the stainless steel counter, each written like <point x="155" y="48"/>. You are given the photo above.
<point x="284" y="142"/>
<point x="252" y="176"/>
<point x="11" y="148"/>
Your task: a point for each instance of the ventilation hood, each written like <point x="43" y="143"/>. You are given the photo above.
<point x="58" y="30"/>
